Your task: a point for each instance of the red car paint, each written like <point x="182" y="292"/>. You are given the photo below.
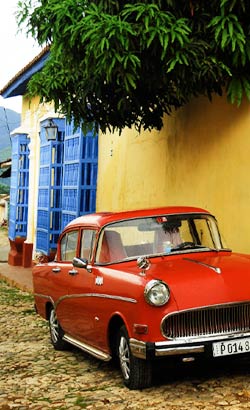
<point x="201" y="293"/>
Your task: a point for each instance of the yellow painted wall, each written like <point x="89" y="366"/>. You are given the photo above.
<point x="201" y="157"/>
<point x="32" y="114"/>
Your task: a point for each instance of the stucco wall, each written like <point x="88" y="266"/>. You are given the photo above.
<point x="32" y="114"/>
<point x="200" y="158"/>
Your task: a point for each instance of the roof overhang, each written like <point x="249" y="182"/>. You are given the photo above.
<point x="6" y="173"/>
<point x="18" y="84"/>
<point x="5" y="168"/>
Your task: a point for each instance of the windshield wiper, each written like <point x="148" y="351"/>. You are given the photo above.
<point x="185" y="245"/>
<point x="190" y="245"/>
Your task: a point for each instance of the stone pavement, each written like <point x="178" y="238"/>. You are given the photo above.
<point x="34" y="376"/>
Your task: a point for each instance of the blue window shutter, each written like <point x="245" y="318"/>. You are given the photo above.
<point x="19" y="185"/>
<point x="79" y="174"/>
<point x="49" y="190"/>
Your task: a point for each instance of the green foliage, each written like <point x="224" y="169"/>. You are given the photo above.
<point x="12" y="296"/>
<point x="4" y="189"/>
<point x="118" y="64"/>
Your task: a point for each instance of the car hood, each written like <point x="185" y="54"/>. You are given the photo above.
<point x="203" y="279"/>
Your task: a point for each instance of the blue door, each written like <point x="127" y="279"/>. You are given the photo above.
<point x="19" y="187"/>
<point x="67" y="182"/>
<point x="50" y="189"/>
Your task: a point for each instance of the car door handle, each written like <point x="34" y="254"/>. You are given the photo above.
<point x="56" y="270"/>
<point x="73" y="272"/>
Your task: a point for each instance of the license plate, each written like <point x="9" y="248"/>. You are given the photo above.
<point x="230" y="347"/>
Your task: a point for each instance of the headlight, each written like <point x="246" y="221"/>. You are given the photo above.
<point x="157" y="293"/>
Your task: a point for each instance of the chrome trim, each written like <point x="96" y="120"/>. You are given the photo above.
<point x="95" y="295"/>
<point x="138" y="348"/>
<point x="73" y="272"/>
<point x="56" y="270"/>
<point x="162" y="349"/>
<point x="208" y="338"/>
<point x="179" y="350"/>
<point x="99" y="354"/>
<point x="230" y="328"/>
<point x="206" y="265"/>
<point x="158" y="254"/>
<point x="40" y="295"/>
<point x="153" y="215"/>
<point x="83" y="295"/>
<point x="237" y="302"/>
<point x="149" y="286"/>
<point x="143" y="263"/>
<point x="99" y="280"/>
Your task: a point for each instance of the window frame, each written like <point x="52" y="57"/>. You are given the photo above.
<point x="92" y="242"/>
<point x="68" y="233"/>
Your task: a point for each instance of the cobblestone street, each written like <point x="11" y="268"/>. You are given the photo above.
<point x="35" y="376"/>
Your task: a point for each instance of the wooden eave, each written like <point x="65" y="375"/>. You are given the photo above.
<point x="18" y="84"/>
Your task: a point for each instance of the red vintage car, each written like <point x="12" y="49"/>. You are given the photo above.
<point x="141" y="286"/>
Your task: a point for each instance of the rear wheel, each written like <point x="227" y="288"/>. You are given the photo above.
<point x="56" y="332"/>
<point x="137" y="373"/>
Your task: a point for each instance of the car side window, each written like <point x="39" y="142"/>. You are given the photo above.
<point x="69" y="245"/>
<point x="87" y="241"/>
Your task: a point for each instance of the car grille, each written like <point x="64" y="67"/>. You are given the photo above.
<point x="223" y="319"/>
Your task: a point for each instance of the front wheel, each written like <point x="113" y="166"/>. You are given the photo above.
<point x="56" y="332"/>
<point x="137" y="373"/>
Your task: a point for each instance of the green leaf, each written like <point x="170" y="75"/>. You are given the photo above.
<point x="224" y="38"/>
<point x="217" y="33"/>
<point x="235" y="91"/>
<point x="230" y="29"/>
<point x="172" y="64"/>
<point x="151" y="38"/>
<point x="135" y="61"/>
<point x="129" y="81"/>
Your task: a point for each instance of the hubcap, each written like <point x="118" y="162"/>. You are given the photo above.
<point x="124" y="356"/>
<point x="54" y="327"/>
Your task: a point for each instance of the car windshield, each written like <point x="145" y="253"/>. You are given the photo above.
<point x="163" y="234"/>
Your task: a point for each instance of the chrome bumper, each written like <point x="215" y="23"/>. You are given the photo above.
<point x="140" y="349"/>
<point x="143" y="350"/>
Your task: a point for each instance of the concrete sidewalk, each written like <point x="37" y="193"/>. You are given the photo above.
<point x="17" y="276"/>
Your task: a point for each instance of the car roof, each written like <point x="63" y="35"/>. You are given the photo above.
<point x="100" y="219"/>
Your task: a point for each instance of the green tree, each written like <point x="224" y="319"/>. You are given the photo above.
<point x="121" y="64"/>
<point x="4" y="189"/>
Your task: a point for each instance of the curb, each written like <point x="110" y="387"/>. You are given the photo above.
<point x="15" y="284"/>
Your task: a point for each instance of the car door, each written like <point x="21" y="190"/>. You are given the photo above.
<point x="77" y="306"/>
<point x="62" y="272"/>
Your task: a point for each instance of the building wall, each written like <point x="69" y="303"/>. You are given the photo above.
<point x="200" y="158"/>
<point x="32" y="114"/>
<point x="4" y="202"/>
<point x="62" y="178"/>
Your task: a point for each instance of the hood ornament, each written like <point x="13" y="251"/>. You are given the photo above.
<point x="214" y="268"/>
<point x="143" y="264"/>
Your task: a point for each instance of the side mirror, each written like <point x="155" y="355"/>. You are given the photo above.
<point x="80" y="262"/>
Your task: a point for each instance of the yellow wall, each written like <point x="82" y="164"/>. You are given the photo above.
<point x="32" y="114"/>
<point x="200" y="158"/>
